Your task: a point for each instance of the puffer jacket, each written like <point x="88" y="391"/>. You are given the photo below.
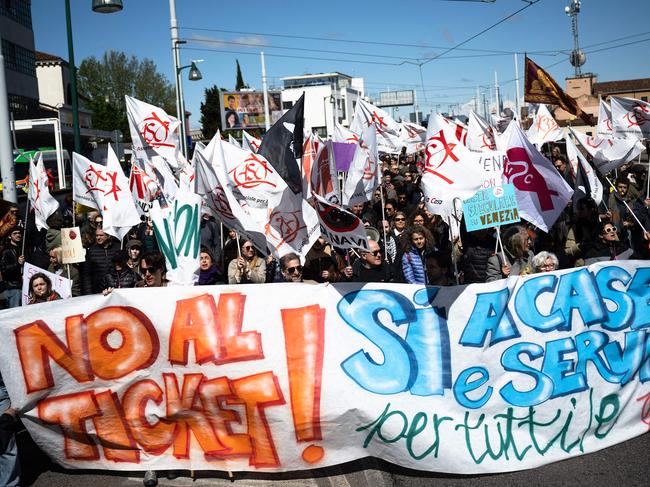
<point x="120" y="279"/>
<point x="99" y="262"/>
<point x="413" y="267"/>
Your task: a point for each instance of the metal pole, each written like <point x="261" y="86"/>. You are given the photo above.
<point x="73" y="80"/>
<point x="180" y="108"/>
<point x="415" y="106"/>
<point x="59" y="159"/>
<point x="496" y="94"/>
<point x="267" y="118"/>
<point x="517" y="87"/>
<point x="15" y="144"/>
<point x="6" y="157"/>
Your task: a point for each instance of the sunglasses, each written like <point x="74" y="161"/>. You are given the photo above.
<point x="291" y="270"/>
<point x="610" y="230"/>
<point x="400" y="219"/>
<point x="247" y="247"/>
<point x="148" y="270"/>
<point x="376" y="253"/>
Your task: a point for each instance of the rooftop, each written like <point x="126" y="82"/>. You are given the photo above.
<point x="318" y="75"/>
<point x="606" y="87"/>
<point x="45" y="58"/>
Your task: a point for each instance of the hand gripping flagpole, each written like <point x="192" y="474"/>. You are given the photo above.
<point x="628" y="207"/>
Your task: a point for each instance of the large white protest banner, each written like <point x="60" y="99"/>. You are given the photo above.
<point x="493" y="377"/>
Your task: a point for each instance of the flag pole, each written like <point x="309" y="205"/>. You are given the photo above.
<point x="25" y="229"/>
<point x="628" y="207"/>
<point x="238" y="246"/>
<point x="500" y="244"/>
<point x="383" y="217"/>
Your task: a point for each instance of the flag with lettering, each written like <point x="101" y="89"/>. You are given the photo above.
<point x="153" y="131"/>
<point x="120" y="213"/>
<point x="340" y="227"/>
<point x="480" y="135"/>
<point x="282" y="145"/>
<point x="451" y="170"/>
<point x="630" y="117"/>
<point x="542" y="193"/>
<point x="363" y="175"/>
<point x="40" y="199"/>
<point x="604" y="127"/>
<point x="587" y="184"/>
<point x="544" y="128"/>
<point x="609" y="153"/>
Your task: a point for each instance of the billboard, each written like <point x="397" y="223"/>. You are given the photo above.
<point x="245" y="109"/>
<point x="395" y="98"/>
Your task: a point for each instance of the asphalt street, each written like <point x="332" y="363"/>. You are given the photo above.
<point x="623" y="465"/>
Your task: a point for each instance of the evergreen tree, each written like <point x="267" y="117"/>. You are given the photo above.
<point x="240" y="79"/>
<point x="211" y="112"/>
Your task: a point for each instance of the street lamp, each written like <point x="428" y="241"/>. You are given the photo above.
<point x="107" y="6"/>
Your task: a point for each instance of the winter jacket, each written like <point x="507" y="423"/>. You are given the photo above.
<point x="256" y="275"/>
<point x="71" y="272"/>
<point x="361" y="273"/>
<point x="99" y="262"/>
<point x="12" y="271"/>
<point x="210" y="276"/>
<point x="518" y="266"/>
<point x="474" y="263"/>
<point x="120" y="279"/>
<point x="413" y="267"/>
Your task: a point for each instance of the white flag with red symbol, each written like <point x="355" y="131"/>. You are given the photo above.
<point x="40" y="198"/>
<point x="544" y="128"/>
<point x="480" y="135"/>
<point x="218" y="199"/>
<point x="366" y="114"/>
<point x="576" y="158"/>
<point x="344" y="135"/>
<point x="340" y="227"/>
<point x="250" y="143"/>
<point x="120" y="213"/>
<point x="324" y="178"/>
<point x="363" y="175"/>
<point x="412" y="136"/>
<point x="542" y="193"/>
<point x="451" y="170"/>
<point x="604" y="121"/>
<point x="630" y="117"/>
<point x="88" y="182"/>
<point x="144" y="186"/>
<point x="292" y="224"/>
<point x="152" y="131"/>
<point x="609" y="153"/>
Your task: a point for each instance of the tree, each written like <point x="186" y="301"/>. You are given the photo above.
<point x="211" y="112"/>
<point x="239" y="84"/>
<point x="104" y="84"/>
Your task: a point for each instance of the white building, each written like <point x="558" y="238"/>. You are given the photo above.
<point x="328" y="97"/>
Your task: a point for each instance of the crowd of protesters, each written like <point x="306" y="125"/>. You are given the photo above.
<point x="406" y="244"/>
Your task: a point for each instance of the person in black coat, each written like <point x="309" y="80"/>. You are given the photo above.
<point x="370" y="267"/>
<point x="121" y="276"/>
<point x="99" y="262"/>
<point x="478" y="247"/>
<point x="608" y="246"/>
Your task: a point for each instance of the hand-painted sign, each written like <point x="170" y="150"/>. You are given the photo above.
<point x="491" y="377"/>
<point x="491" y="207"/>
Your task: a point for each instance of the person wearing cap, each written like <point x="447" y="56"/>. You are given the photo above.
<point x="134" y="252"/>
<point x="11" y="266"/>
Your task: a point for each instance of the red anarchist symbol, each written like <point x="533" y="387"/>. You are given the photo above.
<point x="112" y="178"/>
<point x="93" y="178"/>
<point x="488" y="140"/>
<point x="37" y="187"/>
<point x="438" y="147"/>
<point x="637" y="117"/>
<point x="545" y="125"/>
<point x="284" y="225"/>
<point x="155" y="131"/>
<point x="251" y="173"/>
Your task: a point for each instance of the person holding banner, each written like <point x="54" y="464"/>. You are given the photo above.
<point x="40" y="289"/>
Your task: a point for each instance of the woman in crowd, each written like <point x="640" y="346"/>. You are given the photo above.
<point x="398" y="224"/>
<point x="40" y="289"/>
<point x="545" y="262"/>
<point x="608" y="246"/>
<point x="69" y="271"/>
<point x="209" y="272"/>
<point x="418" y="240"/>
<point x="519" y="257"/>
<point x="248" y="267"/>
<point x="134" y="251"/>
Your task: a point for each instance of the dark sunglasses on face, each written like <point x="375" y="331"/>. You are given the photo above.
<point x="291" y="270"/>
<point x="376" y="253"/>
<point x="400" y="219"/>
<point x="247" y="247"/>
<point x="148" y="270"/>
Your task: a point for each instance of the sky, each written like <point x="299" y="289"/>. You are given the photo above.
<point x="386" y="42"/>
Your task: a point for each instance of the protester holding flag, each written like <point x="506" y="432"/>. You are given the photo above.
<point x="322" y="263"/>
<point x="248" y="268"/>
<point x="40" y="289"/>
<point x="517" y="254"/>
<point x="11" y="266"/>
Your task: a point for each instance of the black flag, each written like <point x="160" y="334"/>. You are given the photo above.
<point x="582" y="188"/>
<point x="282" y="145"/>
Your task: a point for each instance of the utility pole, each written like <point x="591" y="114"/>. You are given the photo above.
<point x="6" y="156"/>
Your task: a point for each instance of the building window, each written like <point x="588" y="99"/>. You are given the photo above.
<point x="321" y="131"/>
<point x="17" y="58"/>
<point x="17" y="10"/>
<point x="23" y="107"/>
<point x="286" y="105"/>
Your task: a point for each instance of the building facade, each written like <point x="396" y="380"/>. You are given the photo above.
<point x="329" y="98"/>
<point x="19" y="57"/>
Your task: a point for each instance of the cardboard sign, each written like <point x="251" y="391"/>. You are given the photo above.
<point x="491" y="207"/>
<point x="71" y="246"/>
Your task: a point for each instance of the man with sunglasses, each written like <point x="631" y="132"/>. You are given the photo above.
<point x="371" y="267"/>
<point x="291" y="268"/>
